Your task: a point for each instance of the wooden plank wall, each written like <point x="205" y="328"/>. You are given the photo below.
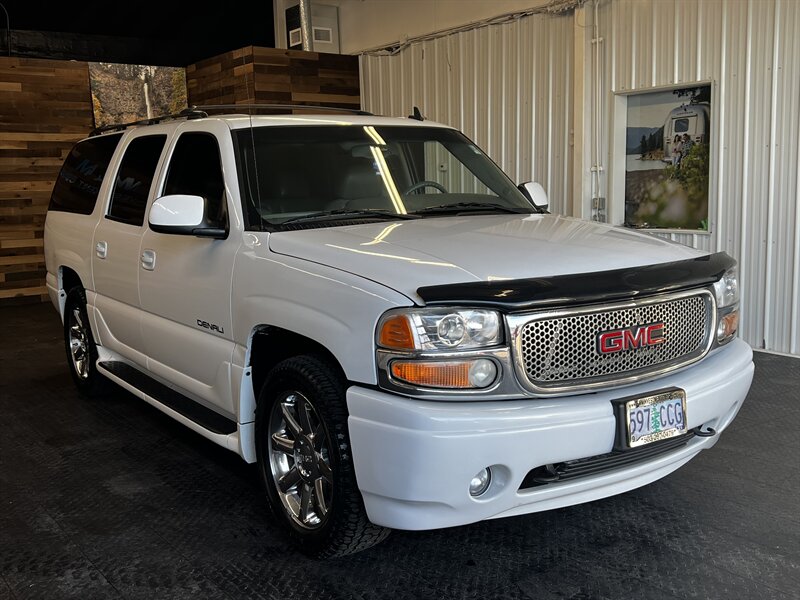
<point x="224" y="79"/>
<point x="275" y="76"/>
<point x="45" y="106"/>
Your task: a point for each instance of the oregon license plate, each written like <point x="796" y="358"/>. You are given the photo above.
<point x="655" y="417"/>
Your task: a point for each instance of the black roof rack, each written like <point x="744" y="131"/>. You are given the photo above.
<point x="245" y="108"/>
<point x="188" y="113"/>
<point x="199" y="112"/>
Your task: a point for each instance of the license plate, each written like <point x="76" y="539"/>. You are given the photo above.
<point x="656" y="417"/>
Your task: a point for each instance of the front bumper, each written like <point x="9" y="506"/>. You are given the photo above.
<point x="414" y="459"/>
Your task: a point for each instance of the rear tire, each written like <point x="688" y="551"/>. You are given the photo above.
<point x="304" y="459"/>
<point x="80" y="346"/>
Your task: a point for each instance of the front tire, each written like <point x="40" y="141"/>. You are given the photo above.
<point x="304" y="459"/>
<point x="80" y="345"/>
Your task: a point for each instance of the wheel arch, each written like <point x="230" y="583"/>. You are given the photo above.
<point x="68" y="278"/>
<point x="269" y="345"/>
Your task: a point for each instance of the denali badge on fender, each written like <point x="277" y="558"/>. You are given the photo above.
<point x="210" y="326"/>
<point x="637" y="336"/>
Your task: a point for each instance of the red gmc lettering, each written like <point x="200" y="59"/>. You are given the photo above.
<point x="634" y="337"/>
<point x="611" y="342"/>
<point x="655" y="334"/>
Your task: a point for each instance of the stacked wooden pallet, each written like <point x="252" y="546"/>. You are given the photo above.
<point x="275" y="76"/>
<point x="45" y="106"/>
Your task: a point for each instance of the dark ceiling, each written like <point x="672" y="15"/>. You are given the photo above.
<point x="174" y="31"/>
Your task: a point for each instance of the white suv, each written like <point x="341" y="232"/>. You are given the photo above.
<point x="371" y="311"/>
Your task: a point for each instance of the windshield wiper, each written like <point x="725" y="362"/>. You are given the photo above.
<point x="345" y="213"/>
<point x="460" y="207"/>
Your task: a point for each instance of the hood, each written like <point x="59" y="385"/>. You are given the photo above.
<point x="407" y="255"/>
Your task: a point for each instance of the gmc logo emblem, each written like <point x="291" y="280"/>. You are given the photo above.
<point x="637" y="336"/>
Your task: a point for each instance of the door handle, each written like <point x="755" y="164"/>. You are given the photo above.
<point x="101" y="249"/>
<point x="149" y="260"/>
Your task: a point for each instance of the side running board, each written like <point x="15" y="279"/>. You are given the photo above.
<point x="205" y="417"/>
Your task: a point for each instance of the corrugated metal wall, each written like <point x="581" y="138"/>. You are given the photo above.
<point x="510" y="88"/>
<point x="750" y="50"/>
<point x="507" y="87"/>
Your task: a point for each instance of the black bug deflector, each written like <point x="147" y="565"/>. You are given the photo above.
<point x="582" y="288"/>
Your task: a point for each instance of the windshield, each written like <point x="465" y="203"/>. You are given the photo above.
<point x="316" y="173"/>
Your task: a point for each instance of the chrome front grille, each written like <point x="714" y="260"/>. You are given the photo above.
<point x="559" y="351"/>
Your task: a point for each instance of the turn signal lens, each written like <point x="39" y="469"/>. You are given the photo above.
<point x="433" y="374"/>
<point x="728" y="324"/>
<point x="446" y="374"/>
<point x="396" y="333"/>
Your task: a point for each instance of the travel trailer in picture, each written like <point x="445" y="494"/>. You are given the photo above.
<point x="687" y="118"/>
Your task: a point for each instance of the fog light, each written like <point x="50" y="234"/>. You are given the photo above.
<point x="482" y="373"/>
<point x="480" y="482"/>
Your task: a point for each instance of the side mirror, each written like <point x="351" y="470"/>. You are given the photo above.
<point x="535" y="193"/>
<point x="182" y="214"/>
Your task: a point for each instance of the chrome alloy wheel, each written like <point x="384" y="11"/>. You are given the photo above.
<point x="299" y="458"/>
<point x="79" y="343"/>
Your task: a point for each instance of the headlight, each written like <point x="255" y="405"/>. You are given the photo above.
<point x="727" y="289"/>
<point x="440" y="329"/>
<point x="435" y="348"/>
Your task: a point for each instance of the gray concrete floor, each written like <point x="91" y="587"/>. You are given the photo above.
<point x="111" y="499"/>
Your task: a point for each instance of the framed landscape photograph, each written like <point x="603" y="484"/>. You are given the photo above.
<point x="126" y="93"/>
<point x="667" y="159"/>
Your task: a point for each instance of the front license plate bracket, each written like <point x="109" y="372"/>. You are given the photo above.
<point x="622" y="411"/>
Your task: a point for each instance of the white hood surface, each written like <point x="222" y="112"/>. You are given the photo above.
<point x="407" y="255"/>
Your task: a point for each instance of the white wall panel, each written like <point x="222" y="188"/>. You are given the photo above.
<point x="507" y="87"/>
<point x="749" y="49"/>
<point x="510" y="88"/>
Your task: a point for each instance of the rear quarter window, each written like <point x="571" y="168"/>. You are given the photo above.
<point x="79" y="180"/>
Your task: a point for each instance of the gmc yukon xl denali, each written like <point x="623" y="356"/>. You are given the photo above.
<point x="370" y="311"/>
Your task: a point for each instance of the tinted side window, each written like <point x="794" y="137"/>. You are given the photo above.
<point x="135" y="175"/>
<point x="195" y="169"/>
<point x="80" y="178"/>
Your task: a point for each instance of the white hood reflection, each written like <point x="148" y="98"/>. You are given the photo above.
<point x="410" y="254"/>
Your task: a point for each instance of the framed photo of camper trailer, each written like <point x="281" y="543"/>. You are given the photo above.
<point x="667" y="158"/>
